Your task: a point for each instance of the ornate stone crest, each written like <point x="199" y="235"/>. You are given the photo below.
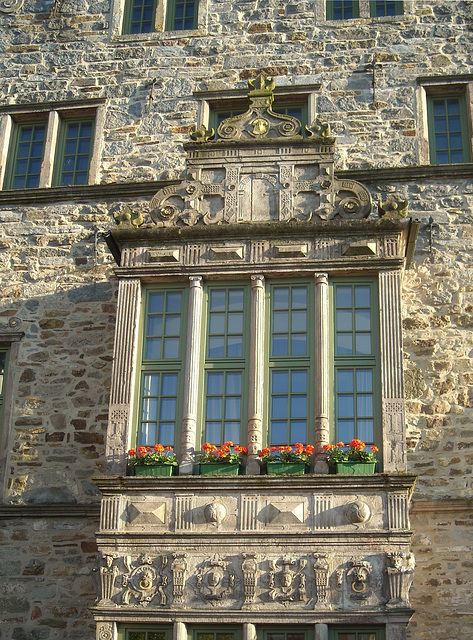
<point x="214" y="581"/>
<point x="144" y="581"/>
<point x="358" y="576"/>
<point x="289" y="583"/>
<point x="400" y="577"/>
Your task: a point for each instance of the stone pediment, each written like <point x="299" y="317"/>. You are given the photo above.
<point x="260" y="169"/>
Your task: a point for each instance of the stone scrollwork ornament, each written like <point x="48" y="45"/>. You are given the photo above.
<point x="394" y="208"/>
<point x="144" y="582"/>
<point x="400" y="577"/>
<point x="358" y="575"/>
<point x="10" y="6"/>
<point x="213" y="581"/>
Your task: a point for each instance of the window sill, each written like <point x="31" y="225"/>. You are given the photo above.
<point x="157" y="36"/>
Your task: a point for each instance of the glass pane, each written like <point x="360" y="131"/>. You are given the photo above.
<point x="232" y="408"/>
<point x="364" y="380"/>
<point x="281" y="298"/>
<point x="346" y="430"/>
<point x="297" y="431"/>
<point x="231" y="431"/>
<point x="168" y="409"/>
<point x="280" y="380"/>
<point x="278" y="431"/>
<point x="217" y="300"/>
<point x="299" y="320"/>
<point x="345" y="380"/>
<point x="233" y="384"/>
<point x="275" y="636"/>
<point x="213" y="432"/>
<point x="298" y="382"/>
<point x="234" y="347"/>
<point x="169" y="384"/>
<point x="365" y="430"/>
<point x="173" y="301"/>
<point x="235" y="323"/>
<point x="150" y="409"/>
<point x="281" y="321"/>
<point x="346" y="636"/>
<point x="214" y="408"/>
<point x="150" y="384"/>
<point x="172" y="325"/>
<point x="363" y="343"/>
<point x="217" y="323"/>
<point x="280" y="345"/>
<point x="171" y="348"/>
<point x="362" y="320"/>
<point x="216" y="347"/>
<point x="344" y="320"/>
<point x="155" y="325"/>
<point x="166" y="433"/>
<point x="156" y="302"/>
<point x="235" y="299"/>
<point x="295" y="636"/>
<point x="137" y="635"/>
<point x="364" y="405"/>
<point x="362" y="296"/>
<point x="279" y="407"/>
<point x="346" y="407"/>
<point x="299" y="407"/>
<point x="153" y="348"/>
<point x="344" y="344"/>
<point x="298" y="345"/>
<point x="214" y="383"/>
<point x="299" y="297"/>
<point x="344" y="298"/>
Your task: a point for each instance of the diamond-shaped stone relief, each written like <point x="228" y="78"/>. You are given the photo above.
<point x="285" y="513"/>
<point x="147" y="513"/>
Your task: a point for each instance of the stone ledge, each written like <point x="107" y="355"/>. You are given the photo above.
<point x="50" y="511"/>
<point x="441" y="506"/>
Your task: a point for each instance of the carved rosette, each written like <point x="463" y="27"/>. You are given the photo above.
<point x="400" y="576"/>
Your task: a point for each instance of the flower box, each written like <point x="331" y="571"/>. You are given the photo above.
<point x="219" y="468"/>
<point x="359" y="468"/>
<point x="154" y="469"/>
<point x="285" y="468"/>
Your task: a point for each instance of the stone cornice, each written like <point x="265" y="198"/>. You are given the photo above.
<point x="134" y="190"/>
<point x="50" y="511"/>
<point x="447" y="505"/>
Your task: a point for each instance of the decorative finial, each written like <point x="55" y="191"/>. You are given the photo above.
<point x="393" y="208"/>
<point x="202" y="134"/>
<point x="318" y="128"/>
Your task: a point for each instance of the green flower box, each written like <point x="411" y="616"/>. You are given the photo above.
<point x="285" y="468"/>
<point x="218" y="468"/>
<point x="358" y="468"/>
<point x="154" y="469"/>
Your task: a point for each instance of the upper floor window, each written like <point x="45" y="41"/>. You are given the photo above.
<point x="380" y="8"/>
<point x="356" y="633"/>
<point x="146" y="16"/>
<point x="44" y="148"/>
<point x="342" y="9"/>
<point x="3" y="375"/>
<point x="295" y="108"/>
<point x="449" y="138"/>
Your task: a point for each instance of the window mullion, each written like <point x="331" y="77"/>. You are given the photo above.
<point x="256" y="375"/>
<point x="191" y="377"/>
<point x="321" y="367"/>
<point x="45" y="178"/>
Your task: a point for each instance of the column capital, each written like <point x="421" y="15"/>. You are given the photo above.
<point x="321" y="278"/>
<point x="257" y="280"/>
<point x="195" y="281"/>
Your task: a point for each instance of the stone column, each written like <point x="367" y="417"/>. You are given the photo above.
<point x="179" y="631"/>
<point x="191" y="376"/>
<point x="321" y="631"/>
<point x="123" y="377"/>
<point x="321" y="366"/>
<point x="396" y="631"/>
<point x="392" y="391"/>
<point x="256" y="377"/>
<point x="249" y="631"/>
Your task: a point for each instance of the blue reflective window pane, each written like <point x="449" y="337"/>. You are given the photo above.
<point x="235" y="323"/>
<point x="280" y="345"/>
<point x="168" y="409"/>
<point x="80" y="178"/>
<point x="456" y="156"/>
<point x="442" y="157"/>
<point x="216" y="347"/>
<point x="299" y="382"/>
<point x="344" y="320"/>
<point x="364" y="405"/>
<point x="298" y="431"/>
<point x="365" y="430"/>
<point x="345" y="381"/>
<point x="37" y="149"/>
<point x="179" y="11"/>
<point x="26" y="134"/>
<point x="281" y="321"/>
<point x="363" y="320"/>
<point x="346" y="430"/>
<point x="35" y="166"/>
<point x="156" y="302"/>
<point x="439" y="108"/>
<point x="82" y="163"/>
<point x="281" y="298"/>
<point x="344" y="344"/>
<point x="280" y="381"/>
<point x="299" y="406"/>
<point x="441" y="141"/>
<point x="172" y="325"/>
<point x="344" y="296"/>
<point x="217" y="323"/>
<point x="231" y="431"/>
<point x="18" y="183"/>
<point x="232" y="408"/>
<point x="233" y="383"/>
<point x="278" y="431"/>
<point x="166" y="433"/>
<point x="440" y="124"/>
<point x="364" y="380"/>
<point x="73" y="130"/>
<point x="298" y="345"/>
<point x="150" y="384"/>
<point x="70" y="148"/>
<point x="346" y="407"/>
<point x="32" y="182"/>
<point x="453" y="105"/>
<point x="173" y="302"/>
<point x="155" y="325"/>
<point x="299" y="320"/>
<point x="213" y="432"/>
<point x="362" y="296"/>
<point x="169" y="384"/>
<point x="153" y="348"/>
<point x="299" y="297"/>
<point x="215" y="383"/>
<point x="86" y="130"/>
<point x="150" y="409"/>
<point x="234" y="347"/>
<point x="21" y="167"/>
<point x="217" y="300"/>
<point x="171" y="348"/>
<point x="83" y="146"/>
<point x="213" y="408"/>
<point x="279" y="407"/>
<point x="147" y="433"/>
<point x="23" y="151"/>
<point x="235" y="299"/>
<point x="363" y="344"/>
<point x="455" y="140"/>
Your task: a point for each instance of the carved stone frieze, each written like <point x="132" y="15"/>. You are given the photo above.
<point x="145" y="581"/>
<point x="10" y="6"/>
<point x="179" y="575"/>
<point x="12" y="325"/>
<point x="321" y="584"/>
<point x="358" y="512"/>
<point x="214" y="580"/>
<point x="249" y="567"/>
<point x="288" y="584"/>
<point x="358" y="576"/>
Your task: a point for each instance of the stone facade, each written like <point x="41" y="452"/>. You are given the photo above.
<point x="368" y="79"/>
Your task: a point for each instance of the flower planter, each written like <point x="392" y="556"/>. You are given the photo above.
<point x="154" y="469"/>
<point x="285" y="468"/>
<point x="359" y="468"/>
<point x="219" y="468"/>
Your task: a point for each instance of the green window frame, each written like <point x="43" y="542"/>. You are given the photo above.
<point x="227" y="632"/>
<point x="285" y="633"/>
<point x="26" y="155"/>
<point x="4" y="356"/>
<point x="342" y="9"/>
<point x="380" y="8"/>
<point x="449" y="139"/>
<point x="356" y="633"/>
<point x="226" y="347"/>
<point x="144" y="632"/>
<point x="295" y="108"/>
<point x="181" y="15"/>
<point x="163" y="348"/>
<point x="140" y="16"/>
<point x="74" y="152"/>
<point x="290" y="362"/>
<point x="356" y="361"/>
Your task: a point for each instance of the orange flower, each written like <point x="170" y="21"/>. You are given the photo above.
<point x="340" y="444"/>
<point x="375" y="449"/>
